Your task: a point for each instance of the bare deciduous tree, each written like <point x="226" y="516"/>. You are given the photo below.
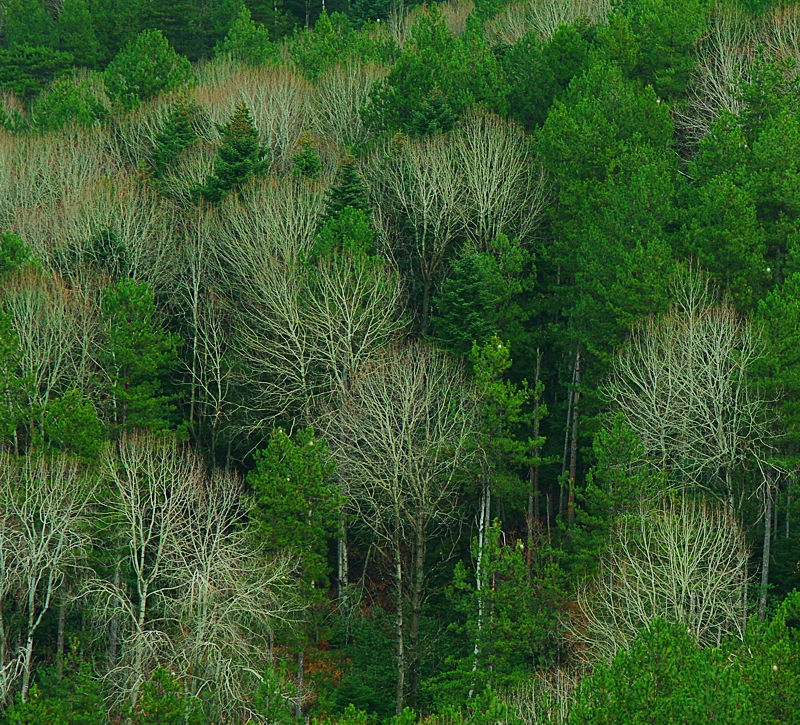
<point x="543" y="16"/>
<point x="402" y="439"/>
<point x="503" y="184"/>
<point x="44" y="511"/>
<point x="203" y="598"/>
<point x="232" y="596"/>
<point x="681" y="561"/>
<point x="416" y="185"/>
<point x="339" y="94"/>
<point x="56" y="329"/>
<point x="682" y="384"/>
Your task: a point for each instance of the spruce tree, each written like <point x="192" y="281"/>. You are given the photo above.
<point x="239" y="157"/>
<point x="178" y="133"/>
<point x="347" y="190"/>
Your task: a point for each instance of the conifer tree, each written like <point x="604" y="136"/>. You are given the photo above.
<point x="139" y="356"/>
<point x="347" y="190"/>
<point x="76" y="33"/>
<point x="247" y="42"/>
<point x="178" y="133"/>
<point x="240" y="156"/>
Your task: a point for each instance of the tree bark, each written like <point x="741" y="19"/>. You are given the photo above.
<point x="62" y="616"/>
<point x="416" y="614"/>
<point x="573" y="455"/>
<point x="398" y="573"/>
<point x="113" y="627"/>
<point x="762" y="599"/>
<point x="298" y="706"/>
<point x="533" y="471"/>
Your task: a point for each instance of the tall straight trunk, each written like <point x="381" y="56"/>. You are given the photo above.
<point x="788" y="508"/>
<point x="62" y="616"/>
<point x="417" y="589"/>
<point x="483" y="526"/>
<point x="341" y="563"/>
<point x="26" y="668"/>
<point x="762" y="599"/>
<point x="401" y="671"/>
<point x="565" y="455"/>
<point x="113" y="627"/>
<point x="298" y="706"/>
<point x="573" y="454"/>
<point x="533" y="471"/>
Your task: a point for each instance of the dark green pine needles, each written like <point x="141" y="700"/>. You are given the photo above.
<point x="239" y="157"/>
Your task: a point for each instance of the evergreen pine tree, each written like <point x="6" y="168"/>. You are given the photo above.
<point x="76" y="33"/>
<point x="178" y="133"/>
<point x="348" y="189"/>
<point x="139" y="356"/>
<point x="240" y="156"/>
<point x="26" y="22"/>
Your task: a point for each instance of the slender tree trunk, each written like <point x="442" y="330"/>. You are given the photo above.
<point x="762" y="599"/>
<point x="483" y="525"/>
<point x="26" y="669"/>
<point x="533" y="471"/>
<point x="113" y="627"/>
<point x="573" y="455"/>
<point x="401" y="672"/>
<point x="341" y="565"/>
<point x="788" y="508"/>
<point x="62" y="616"/>
<point x="416" y="613"/>
<point x="298" y="706"/>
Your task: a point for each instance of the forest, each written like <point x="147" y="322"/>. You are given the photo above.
<point x="380" y="363"/>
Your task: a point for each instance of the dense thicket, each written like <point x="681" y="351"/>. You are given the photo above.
<point x="368" y="363"/>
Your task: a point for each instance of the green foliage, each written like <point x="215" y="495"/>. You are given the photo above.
<point x="76" y="698"/>
<point x="614" y="486"/>
<point x="295" y="502"/>
<point x="248" y="42"/>
<point x="482" y="296"/>
<point x="144" y="68"/>
<point x="504" y="619"/>
<point x="76" y="33"/>
<point x="163" y="702"/>
<point x="26" y="22"/>
<point x="14" y="254"/>
<point x="139" y="357"/>
<point x="240" y="156"/>
<point x="539" y="71"/>
<point x="306" y="163"/>
<point x="67" y="101"/>
<point x="270" y="700"/>
<point x="70" y="423"/>
<point x="600" y="111"/>
<point x="333" y="39"/>
<point x="27" y="69"/>
<point x="666" y="34"/>
<point x="348" y="233"/>
<point x="768" y="663"/>
<point x="177" y="134"/>
<point x="365" y="683"/>
<point x="664" y="677"/>
<point x="436" y="78"/>
<point x="13" y="386"/>
<point x="348" y="189"/>
<point x="725" y="238"/>
<point x="779" y="370"/>
<point x="504" y="412"/>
